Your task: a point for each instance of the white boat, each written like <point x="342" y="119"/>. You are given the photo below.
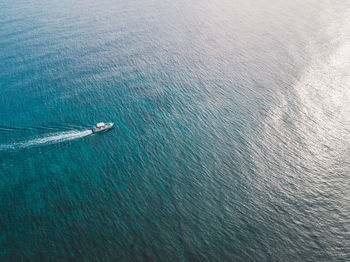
<point x="101" y="127"/>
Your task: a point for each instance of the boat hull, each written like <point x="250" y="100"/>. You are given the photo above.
<point x="101" y="129"/>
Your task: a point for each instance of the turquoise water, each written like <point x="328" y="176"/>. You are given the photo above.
<point x="231" y="140"/>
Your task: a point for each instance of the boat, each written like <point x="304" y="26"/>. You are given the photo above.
<point x="102" y="127"/>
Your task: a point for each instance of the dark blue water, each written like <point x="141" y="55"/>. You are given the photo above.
<point x="231" y="140"/>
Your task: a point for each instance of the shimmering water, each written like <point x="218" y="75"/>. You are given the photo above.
<point x="231" y="140"/>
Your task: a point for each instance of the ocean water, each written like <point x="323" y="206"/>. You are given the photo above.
<point x="232" y="135"/>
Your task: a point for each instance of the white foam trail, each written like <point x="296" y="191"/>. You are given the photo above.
<point x="49" y="139"/>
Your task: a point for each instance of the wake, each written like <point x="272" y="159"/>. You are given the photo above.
<point x="48" y="139"/>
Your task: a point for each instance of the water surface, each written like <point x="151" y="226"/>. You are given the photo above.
<point x="231" y="140"/>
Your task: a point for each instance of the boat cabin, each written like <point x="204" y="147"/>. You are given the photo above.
<point x="99" y="125"/>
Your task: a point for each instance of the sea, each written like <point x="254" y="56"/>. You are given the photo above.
<point x="231" y="139"/>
